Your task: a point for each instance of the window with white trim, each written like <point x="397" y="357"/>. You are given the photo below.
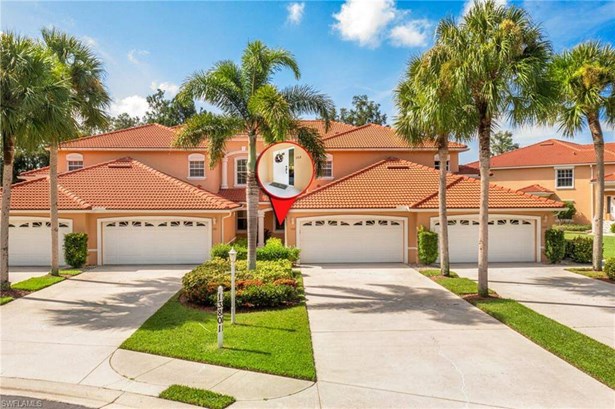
<point x="564" y="178"/>
<point x="436" y="162"/>
<point x="196" y="166"/>
<point x="242" y="220"/>
<point x="326" y="172"/>
<point x="241" y="171"/>
<point x="74" y="161"/>
<point x="278" y="226"/>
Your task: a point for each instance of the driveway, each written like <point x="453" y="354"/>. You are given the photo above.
<point x="64" y="332"/>
<point x="385" y="336"/>
<point x="580" y="302"/>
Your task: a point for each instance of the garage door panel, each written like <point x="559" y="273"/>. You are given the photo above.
<point x="30" y="242"/>
<point x="161" y="241"/>
<point x="340" y="239"/>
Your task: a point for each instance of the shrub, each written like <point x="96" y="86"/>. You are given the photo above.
<point x="76" y="249"/>
<point x="579" y="249"/>
<point x="273" y="250"/>
<point x="612" y="228"/>
<point x="427" y="246"/>
<point x="569" y="213"/>
<point x="555" y="245"/>
<point x="200" y="286"/>
<point x="609" y="268"/>
<point x="221" y="250"/>
<point x="572" y="227"/>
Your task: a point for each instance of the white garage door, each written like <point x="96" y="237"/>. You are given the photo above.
<point x="351" y="240"/>
<point x="510" y="239"/>
<point x="30" y="241"/>
<point x="156" y="241"/>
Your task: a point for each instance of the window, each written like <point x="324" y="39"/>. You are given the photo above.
<point x="241" y="171"/>
<point x="196" y="167"/>
<point x="278" y="226"/>
<point x="564" y="178"/>
<point x="242" y="220"/>
<point x="436" y="162"/>
<point x="74" y="161"/>
<point x="326" y="172"/>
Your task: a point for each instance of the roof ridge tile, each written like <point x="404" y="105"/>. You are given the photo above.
<point x="82" y="138"/>
<point x="356" y="128"/>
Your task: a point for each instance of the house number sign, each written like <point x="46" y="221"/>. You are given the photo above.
<point x="220" y="316"/>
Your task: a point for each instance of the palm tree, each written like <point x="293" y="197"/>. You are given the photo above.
<point x="35" y="93"/>
<point x="498" y="56"/>
<point x="585" y="80"/>
<point x="89" y="99"/>
<point x="431" y="110"/>
<point x="250" y="104"/>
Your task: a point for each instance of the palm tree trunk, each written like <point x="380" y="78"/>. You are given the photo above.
<point x="596" y="130"/>
<point x="53" y="207"/>
<point x="484" y="142"/>
<point x="252" y="195"/>
<point x="7" y="180"/>
<point x="444" y="256"/>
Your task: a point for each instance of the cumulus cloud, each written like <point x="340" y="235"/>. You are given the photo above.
<point x="295" y="12"/>
<point x="134" y="56"/>
<point x="470" y="3"/>
<point x="134" y="105"/>
<point x="414" y="33"/>
<point x="169" y="88"/>
<point x="365" y="20"/>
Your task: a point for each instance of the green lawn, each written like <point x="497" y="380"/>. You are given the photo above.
<point x="70" y="272"/>
<point x="199" y="397"/>
<point x="37" y="283"/>
<point x="587" y="354"/>
<point x="588" y="272"/>
<point x="609" y="242"/>
<point x="4" y="300"/>
<point x="276" y="341"/>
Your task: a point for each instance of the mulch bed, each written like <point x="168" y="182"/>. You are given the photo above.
<point x="15" y="294"/>
<point x="474" y="298"/>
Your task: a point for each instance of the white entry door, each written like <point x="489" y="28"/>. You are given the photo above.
<point x="351" y="239"/>
<point x="156" y="241"/>
<point x="30" y="241"/>
<point x="510" y="239"/>
<point x="280" y="166"/>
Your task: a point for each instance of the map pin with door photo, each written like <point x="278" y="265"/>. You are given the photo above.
<point x="284" y="171"/>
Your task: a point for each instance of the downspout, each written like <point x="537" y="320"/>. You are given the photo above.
<point x="222" y="223"/>
<point x="592" y="193"/>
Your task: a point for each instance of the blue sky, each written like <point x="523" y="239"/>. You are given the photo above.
<point x="343" y="48"/>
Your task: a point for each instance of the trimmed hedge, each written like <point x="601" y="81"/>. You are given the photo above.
<point x="272" y="250"/>
<point x="76" y="249"/>
<point x="609" y="268"/>
<point x="572" y="227"/>
<point x="427" y="246"/>
<point x="612" y="228"/>
<point x="579" y="249"/>
<point x="555" y="245"/>
<point x="272" y="284"/>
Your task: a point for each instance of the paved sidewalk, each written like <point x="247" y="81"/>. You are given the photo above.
<point x="19" y="274"/>
<point x="582" y="303"/>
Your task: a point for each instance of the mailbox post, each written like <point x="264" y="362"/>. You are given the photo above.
<point x="220" y="317"/>
<point x="232" y="255"/>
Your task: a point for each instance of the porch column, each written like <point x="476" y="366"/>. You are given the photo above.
<point x="224" y="173"/>
<point x="261" y="228"/>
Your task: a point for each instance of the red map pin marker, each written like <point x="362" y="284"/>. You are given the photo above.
<point x="284" y="171"/>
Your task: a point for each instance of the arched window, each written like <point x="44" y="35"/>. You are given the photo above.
<point x="74" y="161"/>
<point x="196" y="166"/>
<point x="327" y="169"/>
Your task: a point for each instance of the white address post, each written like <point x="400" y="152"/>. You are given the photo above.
<point x="220" y="317"/>
<point x="232" y="255"/>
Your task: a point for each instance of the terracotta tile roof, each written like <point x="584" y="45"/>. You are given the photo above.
<point x="34" y="173"/>
<point x="124" y="184"/>
<point x="550" y="152"/>
<point x="393" y="182"/>
<point x="610" y="177"/>
<point x="239" y="195"/>
<point x="373" y="136"/>
<point x="334" y="127"/>
<point x="150" y="136"/>
<point x="467" y="170"/>
<point x="534" y="189"/>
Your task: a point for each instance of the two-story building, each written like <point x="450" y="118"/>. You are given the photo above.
<point x="557" y="169"/>
<point x="142" y="201"/>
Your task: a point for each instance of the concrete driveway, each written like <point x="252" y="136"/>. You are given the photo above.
<point x="580" y="302"/>
<point x="64" y="332"/>
<point x="385" y="336"/>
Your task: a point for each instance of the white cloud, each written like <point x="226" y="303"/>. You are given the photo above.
<point x="365" y="20"/>
<point x="295" y="12"/>
<point x="135" y="55"/>
<point x="169" y="88"/>
<point x="414" y="33"/>
<point x="134" y="105"/>
<point x="470" y="3"/>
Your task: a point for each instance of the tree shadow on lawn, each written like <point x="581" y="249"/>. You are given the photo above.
<point x="439" y="304"/>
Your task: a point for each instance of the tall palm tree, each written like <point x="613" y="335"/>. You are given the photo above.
<point x="250" y="104"/>
<point x="585" y="80"/>
<point x="89" y="99"/>
<point x="499" y="57"/>
<point x="35" y="92"/>
<point x="431" y="109"/>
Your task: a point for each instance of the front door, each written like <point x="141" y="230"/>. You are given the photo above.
<point x="281" y="167"/>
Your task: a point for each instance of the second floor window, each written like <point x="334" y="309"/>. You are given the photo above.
<point x="74" y="161"/>
<point x="196" y="166"/>
<point x="437" y="162"/>
<point x="327" y="168"/>
<point x="241" y="171"/>
<point x="564" y="178"/>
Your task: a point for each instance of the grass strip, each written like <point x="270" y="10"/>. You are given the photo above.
<point x="589" y="272"/>
<point x="37" y="283"/>
<point x="5" y="300"/>
<point x="592" y="357"/>
<point x="198" y="397"/>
